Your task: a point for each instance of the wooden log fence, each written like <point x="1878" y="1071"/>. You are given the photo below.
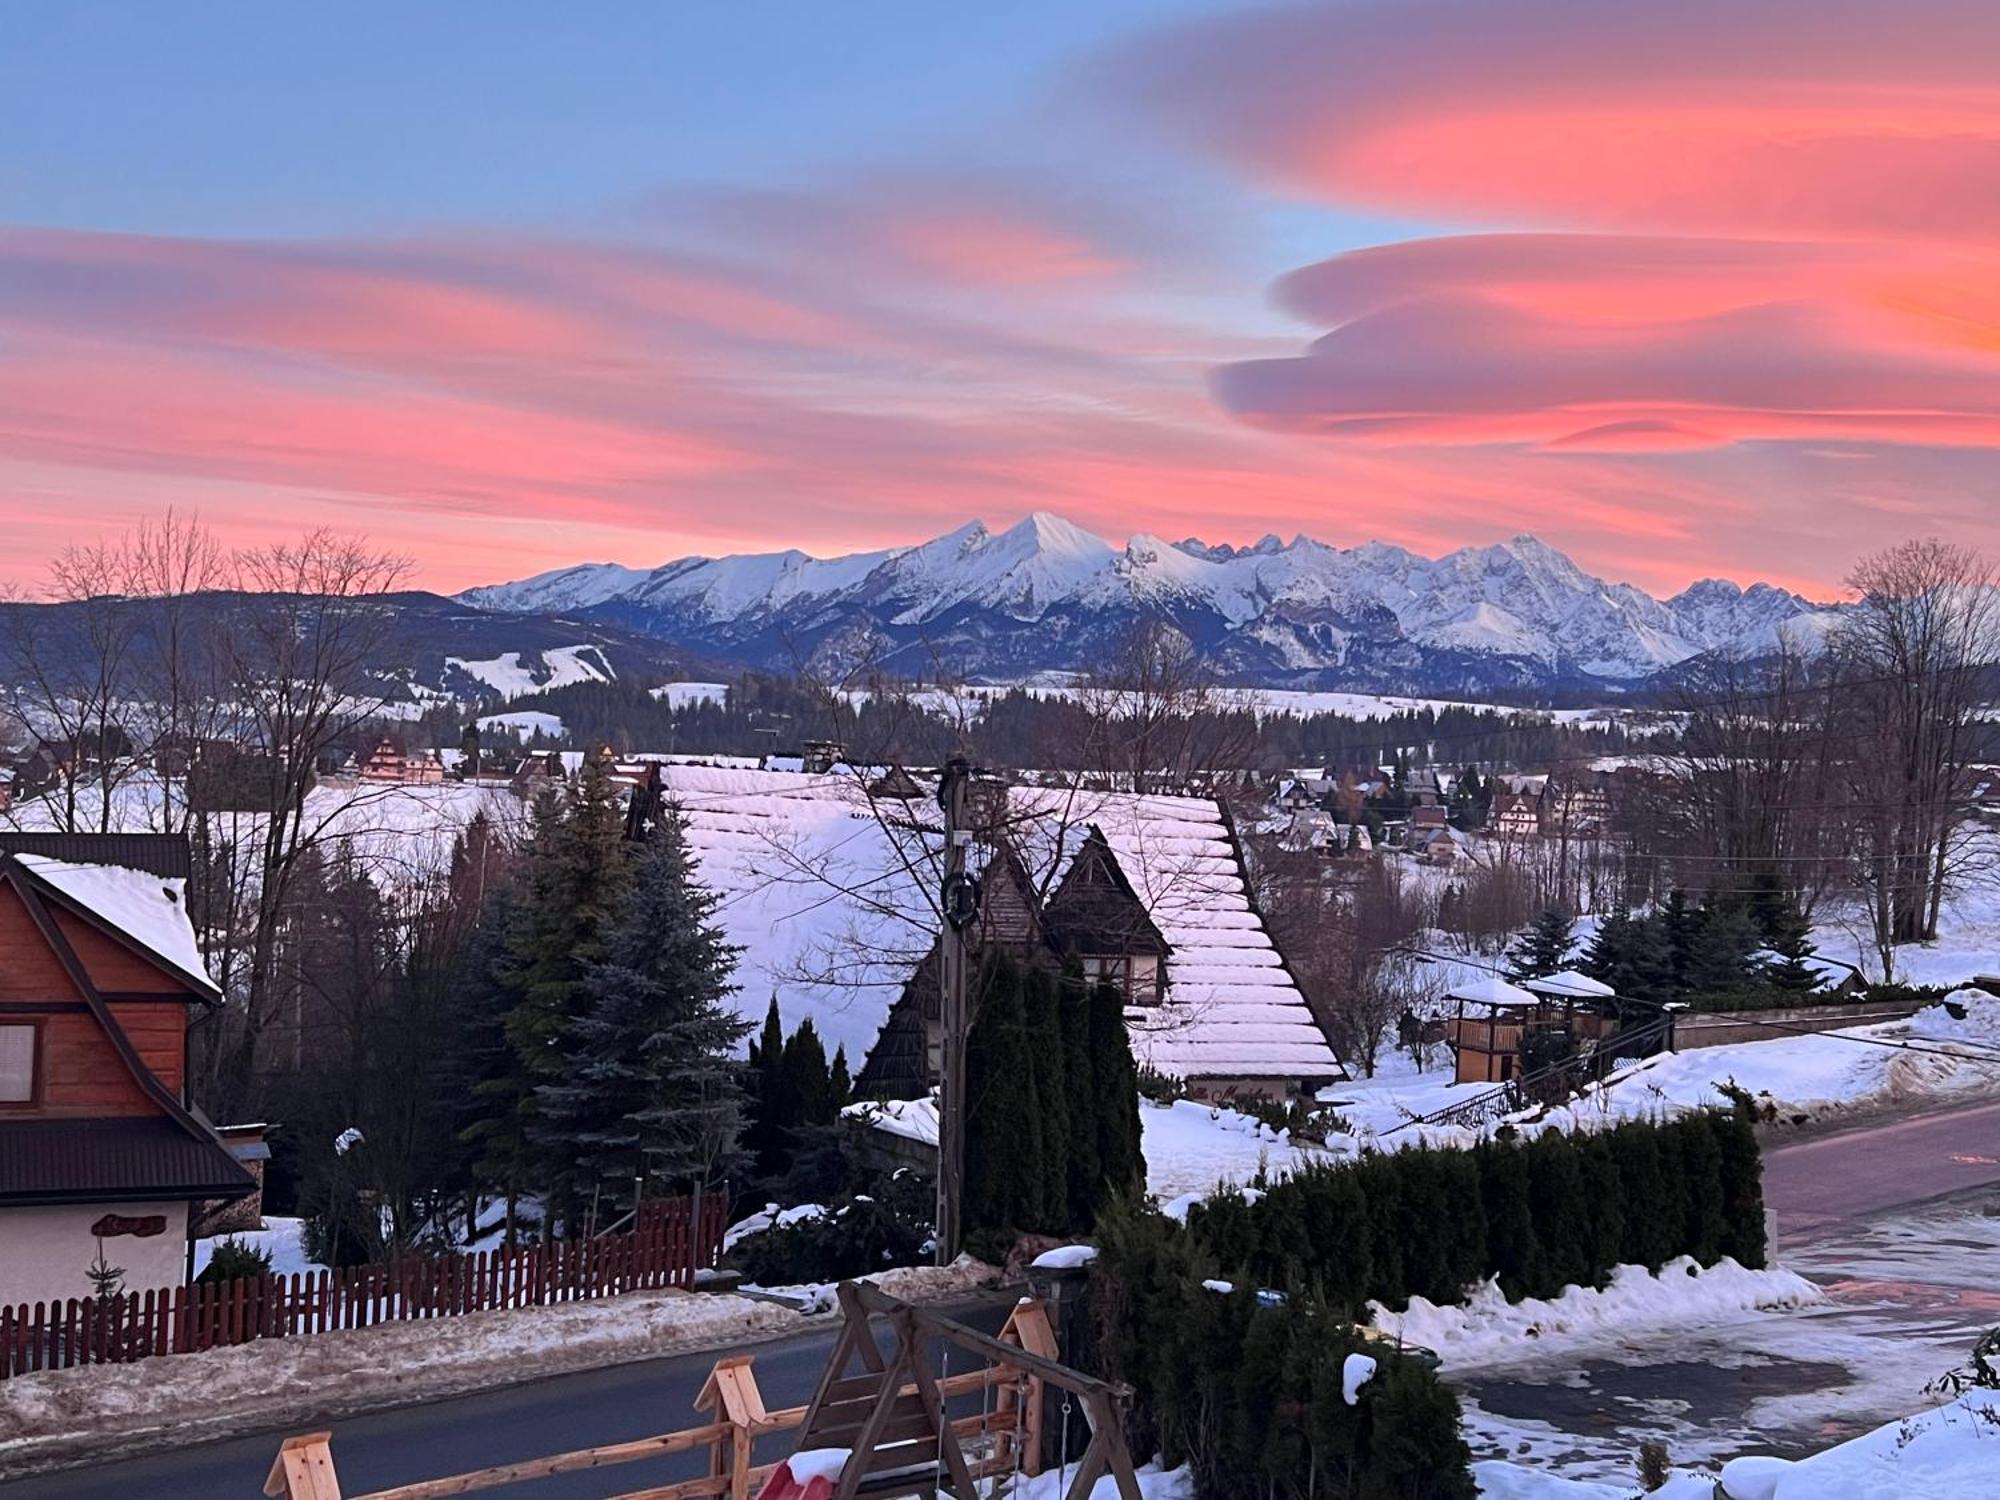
<point x="664" y="1249"/>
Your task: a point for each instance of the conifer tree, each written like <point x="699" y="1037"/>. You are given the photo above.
<point x="1604" y="956"/>
<point x="1703" y="1224"/>
<point x="1652" y="1194"/>
<point x="650" y="1089"/>
<point x="808" y="1085"/>
<point x="1510" y="1220"/>
<point x="1544" y="948"/>
<point x="773" y="1109"/>
<point x="1720" y="957"/>
<point x="1004" y="1191"/>
<point x="576" y="875"/>
<point x="1685" y="923"/>
<point x="1604" y="1201"/>
<point x="1791" y="941"/>
<point x="1082" y="1173"/>
<point x="841" y="1083"/>
<point x="1742" y="1166"/>
<point x="1562" y="1226"/>
<point x="1045" y="1038"/>
<point x="1121" y="1160"/>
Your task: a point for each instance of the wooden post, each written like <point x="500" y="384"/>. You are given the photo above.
<point x="303" y="1469"/>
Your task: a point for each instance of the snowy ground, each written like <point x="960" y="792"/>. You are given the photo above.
<point x="1932" y="1057"/>
<point x="281" y="1238"/>
<point x="1901" y="1300"/>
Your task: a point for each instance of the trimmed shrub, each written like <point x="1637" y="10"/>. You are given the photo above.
<point x="1539" y="1215"/>
<point x="1250" y="1396"/>
<point x="232" y="1259"/>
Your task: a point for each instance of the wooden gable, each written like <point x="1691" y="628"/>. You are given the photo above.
<point x="1096" y="910"/>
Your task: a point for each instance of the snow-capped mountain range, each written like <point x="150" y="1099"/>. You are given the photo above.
<point x="1045" y="595"/>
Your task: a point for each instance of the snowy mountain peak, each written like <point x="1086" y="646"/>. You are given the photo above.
<point x="1044" y="593"/>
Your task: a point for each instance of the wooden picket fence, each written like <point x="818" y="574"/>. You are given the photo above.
<point x="664" y="1249"/>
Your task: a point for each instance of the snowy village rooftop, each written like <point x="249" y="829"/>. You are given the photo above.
<point x="828" y="890"/>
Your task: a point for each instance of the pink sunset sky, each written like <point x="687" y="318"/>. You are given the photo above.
<point x="1685" y="289"/>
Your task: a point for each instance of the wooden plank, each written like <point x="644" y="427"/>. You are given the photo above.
<point x="659" y="1446"/>
<point x="927" y="1391"/>
<point x="303" y="1469"/>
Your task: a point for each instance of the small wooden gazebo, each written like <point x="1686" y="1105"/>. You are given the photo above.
<point x="1488" y="1040"/>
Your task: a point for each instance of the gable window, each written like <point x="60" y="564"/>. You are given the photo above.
<point x="1136" y="976"/>
<point x="19" y="1049"/>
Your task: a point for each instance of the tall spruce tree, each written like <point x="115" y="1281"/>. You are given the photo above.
<point x="1791" y="969"/>
<point x="650" y="1089"/>
<point x="576" y="873"/>
<point x="1544" y="948"/>
<point x="1720" y="958"/>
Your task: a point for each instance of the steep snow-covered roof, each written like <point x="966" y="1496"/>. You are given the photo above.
<point x="832" y="909"/>
<point x="149" y="910"/>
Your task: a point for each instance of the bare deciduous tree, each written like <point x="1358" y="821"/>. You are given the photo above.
<point x="1913" y="659"/>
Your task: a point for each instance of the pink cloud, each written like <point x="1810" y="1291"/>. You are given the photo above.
<point x="1740" y="116"/>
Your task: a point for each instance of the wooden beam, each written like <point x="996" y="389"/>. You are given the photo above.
<point x="303" y="1469"/>
<point x="557" y="1463"/>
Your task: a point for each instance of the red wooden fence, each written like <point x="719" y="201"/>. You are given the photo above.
<point x="665" y="1248"/>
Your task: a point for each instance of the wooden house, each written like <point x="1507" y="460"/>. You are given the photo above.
<point x="831" y="897"/>
<point x="101" y="1160"/>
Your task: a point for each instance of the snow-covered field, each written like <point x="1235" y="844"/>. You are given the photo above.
<point x="511" y="676"/>
<point x="398" y="834"/>
<point x="525" y="723"/>
<point x="682" y="694"/>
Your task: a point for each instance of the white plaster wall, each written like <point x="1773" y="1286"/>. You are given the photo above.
<point x="44" y="1252"/>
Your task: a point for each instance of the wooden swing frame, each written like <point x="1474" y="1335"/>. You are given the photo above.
<point x="891" y="1417"/>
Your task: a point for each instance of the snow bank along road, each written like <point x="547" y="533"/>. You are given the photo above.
<point x="1812" y="1184"/>
<point x="468" y="1432"/>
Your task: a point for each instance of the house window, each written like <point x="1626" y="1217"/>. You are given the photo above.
<point x="18" y="1048"/>
<point x="1135" y="976"/>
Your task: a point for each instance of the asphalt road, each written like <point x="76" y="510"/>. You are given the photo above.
<point x="469" y="1432"/>
<point x="1813" y="1185"/>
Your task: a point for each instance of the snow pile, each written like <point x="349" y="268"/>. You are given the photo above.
<point x="1952" y="1453"/>
<point x="1191" y="1148"/>
<point x="770" y="1216"/>
<point x="1355" y="1372"/>
<point x="1064" y="1258"/>
<point x="911" y="1283"/>
<point x="1488" y="1329"/>
<point x="912" y="1119"/>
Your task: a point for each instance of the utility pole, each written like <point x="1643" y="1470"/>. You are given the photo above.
<point x="959" y="904"/>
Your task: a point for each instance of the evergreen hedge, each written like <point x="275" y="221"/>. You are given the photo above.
<point x="1540" y="1214"/>
<point x="1052" y="1127"/>
<point x="1250" y="1396"/>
